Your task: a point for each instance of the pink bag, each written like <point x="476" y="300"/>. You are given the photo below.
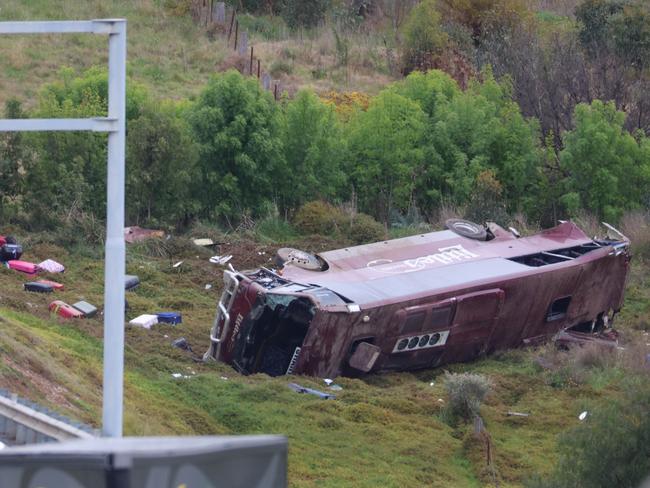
<point x="23" y="266"/>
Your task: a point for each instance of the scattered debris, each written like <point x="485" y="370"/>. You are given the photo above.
<point x="170" y="318"/>
<point x="178" y="264"/>
<point x="224" y="378"/>
<point x="203" y="242"/>
<point x="336" y="388"/>
<point x="518" y="414"/>
<point x="432" y="383"/>
<point x="441" y="400"/>
<point x="182" y="344"/>
<point x="208" y="286"/>
<point x="177" y="375"/>
<point x="51" y="266"/>
<point x="38" y="287"/>
<point x="583" y="415"/>
<point x="221" y="259"/>
<point x="302" y="389"/>
<point x="85" y="308"/>
<point x="137" y="234"/>
<point x="64" y="310"/>
<point x="145" y="321"/>
<point x="131" y="282"/>
<point x="328" y="381"/>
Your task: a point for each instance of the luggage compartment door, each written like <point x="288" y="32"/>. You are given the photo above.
<point x="475" y="319"/>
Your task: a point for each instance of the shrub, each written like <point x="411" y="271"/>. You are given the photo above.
<point x="466" y="393"/>
<point x="610" y="448"/>
<point x="319" y="218"/>
<point x="280" y="67"/>
<point x="363" y="228"/>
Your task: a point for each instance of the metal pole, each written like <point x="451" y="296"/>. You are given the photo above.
<point x="115" y="247"/>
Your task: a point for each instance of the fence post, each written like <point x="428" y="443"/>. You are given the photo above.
<point x="232" y="21"/>
<point x="243" y="43"/>
<point x="236" y="33"/>
<point x="258" y="69"/>
<point x="250" y="69"/>
<point x="219" y="13"/>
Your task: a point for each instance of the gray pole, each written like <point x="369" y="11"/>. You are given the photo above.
<point x="115" y="247"/>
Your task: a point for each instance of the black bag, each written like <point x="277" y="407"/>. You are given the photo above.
<point x="38" y="287"/>
<point x="10" y="251"/>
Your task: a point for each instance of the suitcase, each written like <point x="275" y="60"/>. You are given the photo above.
<point x="3" y="240"/>
<point x="53" y="284"/>
<point x="64" y="310"/>
<point x="38" y="287"/>
<point x="131" y="282"/>
<point x="23" y="267"/>
<point x="170" y="318"/>
<point x="10" y="251"/>
<point x="85" y="308"/>
<point x="145" y="321"/>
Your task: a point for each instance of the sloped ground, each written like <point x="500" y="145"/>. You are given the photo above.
<point x="390" y="430"/>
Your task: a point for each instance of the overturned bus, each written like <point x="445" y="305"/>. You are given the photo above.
<point x="420" y="301"/>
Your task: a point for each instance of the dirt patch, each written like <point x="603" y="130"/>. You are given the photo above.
<point x="53" y="393"/>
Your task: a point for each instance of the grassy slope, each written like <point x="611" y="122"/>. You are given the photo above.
<point x="165" y="52"/>
<point x="384" y="429"/>
<point x="168" y="53"/>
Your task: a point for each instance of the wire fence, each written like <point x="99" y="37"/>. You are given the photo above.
<point x="222" y="19"/>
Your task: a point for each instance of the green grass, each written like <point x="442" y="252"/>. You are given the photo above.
<point x="390" y="430"/>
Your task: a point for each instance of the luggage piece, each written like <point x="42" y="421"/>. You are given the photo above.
<point x="38" y="287"/>
<point x="3" y="240"/>
<point x="145" y="321"/>
<point x="51" y="266"/>
<point x="85" y="308"/>
<point x="10" y="251"/>
<point x="64" y="310"/>
<point x="23" y="267"/>
<point x="53" y="284"/>
<point x="170" y="318"/>
<point x="131" y="282"/>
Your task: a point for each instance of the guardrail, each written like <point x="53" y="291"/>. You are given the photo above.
<point x="25" y="422"/>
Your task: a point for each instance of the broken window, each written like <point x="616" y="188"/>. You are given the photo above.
<point x="556" y="256"/>
<point x="558" y="309"/>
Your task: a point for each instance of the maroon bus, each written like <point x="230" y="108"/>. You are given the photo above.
<point x="420" y="301"/>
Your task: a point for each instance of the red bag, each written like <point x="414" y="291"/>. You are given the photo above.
<point x="64" y="310"/>
<point x="53" y="284"/>
<point x="23" y="266"/>
<point x="3" y="241"/>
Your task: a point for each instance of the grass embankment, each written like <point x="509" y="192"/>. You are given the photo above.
<point x="173" y="56"/>
<point x="167" y="53"/>
<point x="384" y="429"/>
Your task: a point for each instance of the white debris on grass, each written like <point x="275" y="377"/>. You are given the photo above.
<point x="221" y="260"/>
<point x="583" y="415"/>
<point x="177" y="264"/>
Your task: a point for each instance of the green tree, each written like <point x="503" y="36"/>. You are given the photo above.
<point x="69" y="168"/>
<point x="238" y="128"/>
<point x="13" y="156"/>
<point x="468" y="133"/>
<point x="161" y="166"/>
<point x="424" y="38"/>
<point x="608" y="169"/>
<point x="387" y="153"/>
<point x="314" y="148"/>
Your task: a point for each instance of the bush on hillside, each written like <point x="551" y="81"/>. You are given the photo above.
<point x="466" y="392"/>
<point x="319" y="218"/>
<point x="364" y="229"/>
<point x="611" y="447"/>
